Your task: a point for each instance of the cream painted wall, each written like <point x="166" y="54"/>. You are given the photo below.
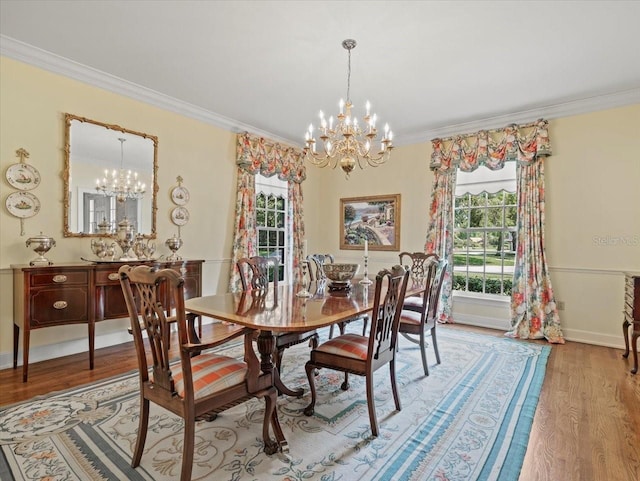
<point x="593" y="202"/>
<point x="32" y="116"/>
<point x="592" y="218"/>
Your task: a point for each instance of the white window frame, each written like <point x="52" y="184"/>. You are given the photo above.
<point x="274" y="186"/>
<point x="482" y="182"/>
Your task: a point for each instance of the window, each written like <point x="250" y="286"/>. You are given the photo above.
<point x="98" y="207"/>
<point x="484" y="242"/>
<point x="271" y="220"/>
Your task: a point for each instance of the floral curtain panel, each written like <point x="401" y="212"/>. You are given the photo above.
<point x="534" y="312"/>
<point x="440" y="233"/>
<point x="258" y="155"/>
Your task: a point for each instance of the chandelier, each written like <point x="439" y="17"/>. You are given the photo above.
<point x="347" y="143"/>
<point x="121" y="184"/>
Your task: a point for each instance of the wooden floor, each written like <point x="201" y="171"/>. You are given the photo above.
<point x="586" y="427"/>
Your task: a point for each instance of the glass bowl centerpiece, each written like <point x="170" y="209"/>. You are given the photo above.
<point x="340" y="275"/>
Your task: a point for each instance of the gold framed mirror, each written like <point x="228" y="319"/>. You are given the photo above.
<point x="109" y="173"/>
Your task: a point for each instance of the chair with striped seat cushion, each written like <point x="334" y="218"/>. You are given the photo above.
<point x="416" y="325"/>
<point x="363" y="355"/>
<point x="201" y="383"/>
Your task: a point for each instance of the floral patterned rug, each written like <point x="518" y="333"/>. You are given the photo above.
<point x="469" y="420"/>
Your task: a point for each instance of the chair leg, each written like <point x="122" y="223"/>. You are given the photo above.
<point x="143" y="423"/>
<point x="365" y="323"/>
<point x="309" y="410"/>
<point x="371" y="403"/>
<point x="331" y="331"/>
<point x="435" y="344"/>
<point x="423" y="353"/>
<point x="188" y="447"/>
<point x="345" y="384"/>
<point x="394" y="384"/>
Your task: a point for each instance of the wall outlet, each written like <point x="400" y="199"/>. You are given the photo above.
<point x="560" y="305"/>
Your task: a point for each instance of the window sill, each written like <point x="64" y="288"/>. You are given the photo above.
<point x="491" y="300"/>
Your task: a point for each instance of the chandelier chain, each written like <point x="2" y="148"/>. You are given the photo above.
<point x="349" y="78"/>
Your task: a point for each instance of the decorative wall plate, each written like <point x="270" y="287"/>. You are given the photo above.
<point x="23" y="176"/>
<point x="23" y="204"/>
<point x="180" y="195"/>
<point x="179" y="216"/>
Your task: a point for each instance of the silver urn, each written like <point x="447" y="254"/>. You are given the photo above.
<point x="41" y="244"/>
<point x="174" y="243"/>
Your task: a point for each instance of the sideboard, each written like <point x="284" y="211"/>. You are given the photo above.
<point x="77" y="293"/>
<point x="631" y="316"/>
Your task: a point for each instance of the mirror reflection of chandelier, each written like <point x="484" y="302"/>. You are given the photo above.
<point x="347" y="143"/>
<point x="121" y="184"/>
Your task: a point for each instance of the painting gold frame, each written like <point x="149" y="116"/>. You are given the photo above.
<point x="375" y="218"/>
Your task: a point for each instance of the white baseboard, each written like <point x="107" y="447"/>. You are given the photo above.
<point x="572" y="335"/>
<point x="64" y="348"/>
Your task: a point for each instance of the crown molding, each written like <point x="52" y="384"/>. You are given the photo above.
<point x="37" y="57"/>
<point x="565" y="109"/>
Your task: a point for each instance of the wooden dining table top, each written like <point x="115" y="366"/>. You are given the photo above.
<point x="281" y="310"/>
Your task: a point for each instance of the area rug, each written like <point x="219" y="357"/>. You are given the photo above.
<point x="468" y="420"/>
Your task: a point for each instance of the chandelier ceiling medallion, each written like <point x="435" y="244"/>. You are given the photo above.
<point x="121" y="184"/>
<point x="347" y="143"/>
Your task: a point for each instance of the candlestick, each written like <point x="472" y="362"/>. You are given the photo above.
<point x="365" y="279"/>
<point x="304" y="292"/>
<point x="366" y="248"/>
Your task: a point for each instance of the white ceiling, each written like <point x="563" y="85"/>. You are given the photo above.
<point x="428" y="67"/>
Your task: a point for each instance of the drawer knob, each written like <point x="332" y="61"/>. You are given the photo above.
<point x="60" y="305"/>
<point x="60" y="278"/>
<point x="113" y="276"/>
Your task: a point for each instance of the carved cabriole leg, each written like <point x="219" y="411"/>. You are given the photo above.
<point x="270" y="398"/>
<point x="188" y="445"/>
<point x="310" y="368"/>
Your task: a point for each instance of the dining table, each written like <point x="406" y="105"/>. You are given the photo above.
<point x="279" y="310"/>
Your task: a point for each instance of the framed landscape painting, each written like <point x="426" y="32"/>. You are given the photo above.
<point x="375" y="219"/>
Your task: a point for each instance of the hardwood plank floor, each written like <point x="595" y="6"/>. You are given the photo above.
<point x="586" y="426"/>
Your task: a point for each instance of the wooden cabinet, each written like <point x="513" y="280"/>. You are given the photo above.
<point x="78" y="294"/>
<point x="632" y="316"/>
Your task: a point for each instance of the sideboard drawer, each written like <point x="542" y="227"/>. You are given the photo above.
<point x="107" y="277"/>
<point x="62" y="305"/>
<point x="60" y="278"/>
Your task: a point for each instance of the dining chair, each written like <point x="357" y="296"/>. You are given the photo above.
<point x="363" y="355"/>
<point x="315" y="263"/>
<point x="417" y="263"/>
<point x="195" y="386"/>
<point x="415" y="325"/>
<point x="257" y="273"/>
<point x="316" y="273"/>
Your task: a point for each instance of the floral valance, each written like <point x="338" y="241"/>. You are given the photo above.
<point x="492" y="148"/>
<point x="257" y="154"/>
